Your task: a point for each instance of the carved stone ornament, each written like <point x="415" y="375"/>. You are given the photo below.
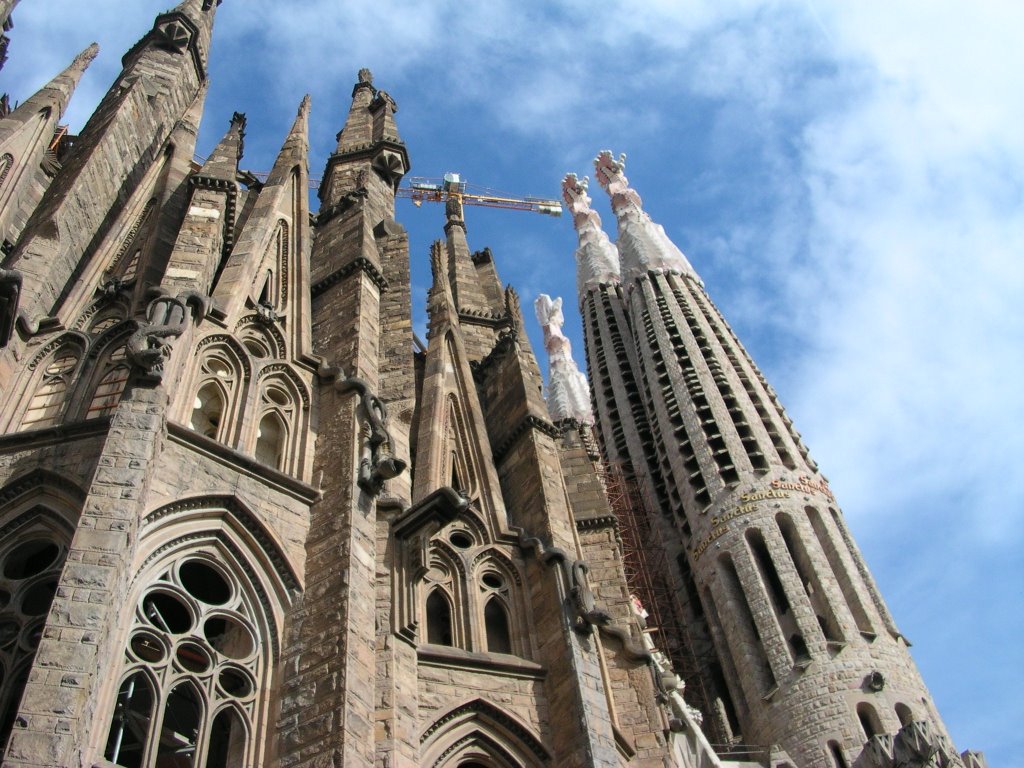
<point x="173" y="35"/>
<point x="568" y="393"/>
<point x="390" y="166"/>
<point x="166" y="319"/>
<point x="377" y="463"/>
<point x="643" y="245"/>
<point x="597" y="261"/>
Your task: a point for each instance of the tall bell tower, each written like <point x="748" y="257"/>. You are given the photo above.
<point x="807" y="656"/>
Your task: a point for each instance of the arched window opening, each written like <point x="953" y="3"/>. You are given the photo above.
<point x="814" y="589"/>
<point x="843" y="576"/>
<point x="837" y="755"/>
<point x="111" y="387"/>
<point x="767" y="568"/>
<point x="126" y="742"/>
<point x="270" y="440"/>
<point x="29" y="571"/>
<point x="777" y="597"/>
<point x="47" y="404"/>
<point x="179" y="731"/>
<point x="195" y="636"/>
<point x="256" y="347"/>
<point x="904" y="713"/>
<point x="227" y="741"/>
<point x="721" y="686"/>
<point x="499" y="636"/>
<point x="439" y="619"/>
<point x="208" y="410"/>
<point x="869" y="720"/>
<point x="749" y="635"/>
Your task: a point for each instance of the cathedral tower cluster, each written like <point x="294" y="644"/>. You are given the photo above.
<point x="248" y="518"/>
<point x="788" y="639"/>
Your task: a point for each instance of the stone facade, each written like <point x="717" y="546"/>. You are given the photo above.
<point x="248" y="519"/>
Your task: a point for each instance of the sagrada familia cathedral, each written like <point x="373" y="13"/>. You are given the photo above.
<point x="247" y="518"/>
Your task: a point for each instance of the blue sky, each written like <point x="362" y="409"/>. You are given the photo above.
<point x="848" y="178"/>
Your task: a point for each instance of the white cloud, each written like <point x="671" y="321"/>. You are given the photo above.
<point x="859" y="167"/>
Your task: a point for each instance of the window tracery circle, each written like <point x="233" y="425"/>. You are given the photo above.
<point x="193" y="670"/>
<point x="29" y="569"/>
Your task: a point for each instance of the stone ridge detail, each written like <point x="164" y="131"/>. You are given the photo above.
<point x="362" y="263"/>
<point x="481" y="707"/>
<point x="524" y="426"/>
<point x="254" y="527"/>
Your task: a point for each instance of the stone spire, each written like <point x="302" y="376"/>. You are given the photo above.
<point x="188" y="28"/>
<point x="368" y="142"/>
<point x="25" y="138"/>
<point x="223" y="161"/>
<point x="643" y="245"/>
<point x="282" y="198"/>
<point x="597" y="261"/>
<point x="568" y="393"/>
<point x="54" y="96"/>
<point x="295" y="149"/>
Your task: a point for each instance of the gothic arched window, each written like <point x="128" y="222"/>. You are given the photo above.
<point x="274" y="432"/>
<point x="904" y="713"/>
<point x="111" y="387"/>
<point x="270" y="440"/>
<point x="499" y="637"/>
<point x="29" y="570"/>
<point x="439" y="618"/>
<point x="214" y="410"/>
<point x="208" y="410"/>
<point x="51" y="393"/>
<point x="195" y="664"/>
<point x="495" y="597"/>
<point x="869" y="720"/>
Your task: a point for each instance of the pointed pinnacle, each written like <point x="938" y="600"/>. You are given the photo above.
<point x="57" y="93"/>
<point x="302" y="117"/>
<point x="223" y="161"/>
<point x="293" y="151"/>
<point x="85" y="58"/>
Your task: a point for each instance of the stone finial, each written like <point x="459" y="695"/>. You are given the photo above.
<point x="365" y="76"/>
<point x="568" y="393"/>
<point x="597" y="261"/>
<point x="643" y="245"/>
<point x="86" y="57"/>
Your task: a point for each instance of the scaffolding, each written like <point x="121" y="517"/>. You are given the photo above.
<point x="647" y="567"/>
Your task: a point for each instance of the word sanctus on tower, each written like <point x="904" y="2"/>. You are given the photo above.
<point x="248" y="518"/>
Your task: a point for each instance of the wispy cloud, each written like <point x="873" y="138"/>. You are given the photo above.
<point x="848" y="177"/>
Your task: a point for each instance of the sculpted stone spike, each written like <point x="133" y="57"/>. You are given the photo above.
<point x="85" y="58"/>
<point x="597" y="261"/>
<point x="643" y="245"/>
<point x="568" y="392"/>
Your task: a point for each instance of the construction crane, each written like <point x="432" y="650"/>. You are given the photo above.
<point x="452" y="187"/>
<point x="434" y="190"/>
